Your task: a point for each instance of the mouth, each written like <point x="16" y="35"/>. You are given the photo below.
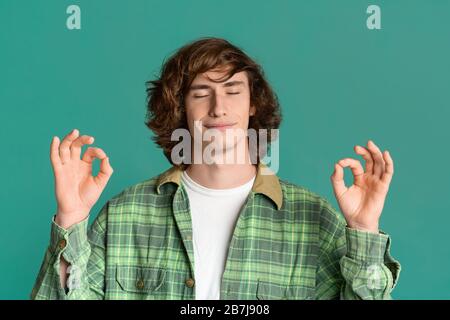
<point x="220" y="126"/>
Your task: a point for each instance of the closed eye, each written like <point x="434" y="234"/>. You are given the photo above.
<point x="207" y="95"/>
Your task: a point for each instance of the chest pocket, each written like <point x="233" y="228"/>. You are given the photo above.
<point x="271" y="291"/>
<point x="140" y="280"/>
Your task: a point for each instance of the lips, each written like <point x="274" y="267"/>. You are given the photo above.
<point x="220" y="126"/>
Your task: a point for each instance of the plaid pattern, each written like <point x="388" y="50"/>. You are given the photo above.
<point x="288" y="243"/>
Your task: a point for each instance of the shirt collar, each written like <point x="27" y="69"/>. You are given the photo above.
<point x="266" y="182"/>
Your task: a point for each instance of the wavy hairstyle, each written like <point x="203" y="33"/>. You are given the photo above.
<point x="165" y="95"/>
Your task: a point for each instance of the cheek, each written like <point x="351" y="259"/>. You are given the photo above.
<point x="191" y="112"/>
<point x="244" y="110"/>
<point x="241" y="104"/>
<point x="192" y="115"/>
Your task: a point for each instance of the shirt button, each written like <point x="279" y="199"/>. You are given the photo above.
<point x="190" y="282"/>
<point x="62" y="244"/>
<point x="140" y="284"/>
<point x="189" y="237"/>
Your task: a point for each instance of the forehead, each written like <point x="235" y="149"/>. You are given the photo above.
<point x="219" y="75"/>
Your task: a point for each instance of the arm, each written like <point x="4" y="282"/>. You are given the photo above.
<point x="353" y="264"/>
<point x="84" y="252"/>
<point x="354" y="259"/>
<point x="71" y="248"/>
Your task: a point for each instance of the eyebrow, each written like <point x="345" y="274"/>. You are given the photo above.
<point x="226" y="84"/>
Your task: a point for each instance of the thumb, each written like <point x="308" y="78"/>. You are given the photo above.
<point x="105" y="172"/>
<point x="337" y="180"/>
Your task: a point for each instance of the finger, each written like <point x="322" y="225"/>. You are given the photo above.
<point x="367" y="156"/>
<point x="64" y="149"/>
<point x="92" y="153"/>
<point x="77" y="144"/>
<point x="377" y="157"/>
<point x="54" y="154"/>
<point x="105" y="172"/>
<point x="389" y="172"/>
<point x="337" y="180"/>
<point x="356" y="167"/>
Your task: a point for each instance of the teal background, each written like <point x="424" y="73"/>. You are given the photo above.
<point x="339" y="84"/>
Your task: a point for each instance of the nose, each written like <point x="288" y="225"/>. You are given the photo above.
<point x="218" y="106"/>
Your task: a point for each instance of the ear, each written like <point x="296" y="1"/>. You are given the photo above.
<point x="252" y="111"/>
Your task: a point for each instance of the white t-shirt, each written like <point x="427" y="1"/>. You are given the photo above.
<point x="214" y="213"/>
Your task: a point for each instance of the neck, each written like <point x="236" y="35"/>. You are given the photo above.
<point x="222" y="175"/>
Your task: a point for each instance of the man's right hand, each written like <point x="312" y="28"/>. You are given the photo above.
<point x="76" y="189"/>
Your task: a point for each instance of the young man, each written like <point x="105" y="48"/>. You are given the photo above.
<point x="215" y="229"/>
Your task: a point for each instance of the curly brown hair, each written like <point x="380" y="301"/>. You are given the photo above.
<point x="165" y="95"/>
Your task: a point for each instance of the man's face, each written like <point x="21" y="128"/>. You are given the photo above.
<point x="219" y="105"/>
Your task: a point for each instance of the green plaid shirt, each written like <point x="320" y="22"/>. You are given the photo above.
<point x="288" y="243"/>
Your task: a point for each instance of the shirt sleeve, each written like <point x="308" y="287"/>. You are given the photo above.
<point x="84" y="250"/>
<point x="353" y="264"/>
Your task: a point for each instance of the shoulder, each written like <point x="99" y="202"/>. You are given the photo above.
<point x="301" y="198"/>
<point x="143" y="192"/>
<point x="136" y="203"/>
<point x="291" y="189"/>
<point x="297" y="193"/>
